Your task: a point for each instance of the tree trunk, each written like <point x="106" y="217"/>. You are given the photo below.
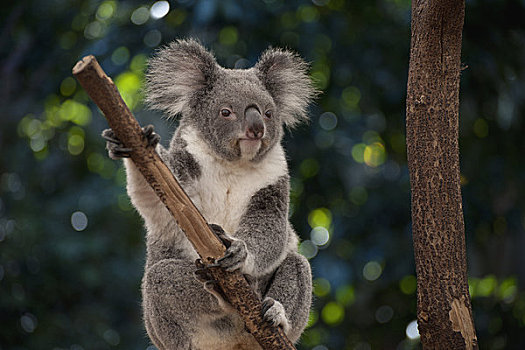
<point x="444" y="312"/>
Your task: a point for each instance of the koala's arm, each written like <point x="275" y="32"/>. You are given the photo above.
<point x="155" y="214"/>
<point x="265" y="229"/>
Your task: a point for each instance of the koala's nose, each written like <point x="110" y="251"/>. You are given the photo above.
<point x="254" y="123"/>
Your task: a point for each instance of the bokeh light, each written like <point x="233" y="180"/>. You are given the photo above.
<point x="372" y="270"/>
<point x="319" y="235"/>
<point x="79" y="221"/>
<point x="384" y="314"/>
<point x="159" y="9"/>
<point x="153" y="38"/>
<point x="308" y="249"/>
<point x="411" y="331"/>
<point x="328" y="121"/>
<point x="140" y="15"/>
<point x="28" y="322"/>
<point x="332" y="313"/>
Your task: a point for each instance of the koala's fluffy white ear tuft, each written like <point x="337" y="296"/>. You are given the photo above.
<point x="177" y="74"/>
<point x="285" y="76"/>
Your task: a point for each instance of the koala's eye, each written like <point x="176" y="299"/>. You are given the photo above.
<point x="268" y="114"/>
<point x="226" y="112"/>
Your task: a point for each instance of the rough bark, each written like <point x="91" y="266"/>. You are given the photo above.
<point x="209" y="247"/>
<point x="444" y="312"/>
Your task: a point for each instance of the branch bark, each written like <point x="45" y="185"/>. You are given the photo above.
<point x="209" y="247"/>
<point x="444" y="311"/>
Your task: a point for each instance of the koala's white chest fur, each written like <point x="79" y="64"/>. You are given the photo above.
<point x="223" y="190"/>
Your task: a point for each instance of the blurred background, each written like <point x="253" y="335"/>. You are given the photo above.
<point x="72" y="247"/>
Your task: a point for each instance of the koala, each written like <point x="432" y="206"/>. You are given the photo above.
<point x="227" y="155"/>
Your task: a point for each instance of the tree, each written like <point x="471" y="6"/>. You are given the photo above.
<point x="444" y="311"/>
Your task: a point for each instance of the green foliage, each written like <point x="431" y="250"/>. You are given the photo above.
<point x="72" y="247"/>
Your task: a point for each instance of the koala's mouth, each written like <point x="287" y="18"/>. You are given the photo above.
<point x="249" y="147"/>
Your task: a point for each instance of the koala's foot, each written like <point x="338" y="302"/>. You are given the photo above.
<point x="203" y="275"/>
<point x="116" y="149"/>
<point x="274" y="312"/>
<point x="236" y="251"/>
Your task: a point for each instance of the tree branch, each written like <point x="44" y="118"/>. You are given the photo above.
<point x="209" y="247"/>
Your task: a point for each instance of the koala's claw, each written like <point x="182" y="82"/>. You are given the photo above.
<point x="235" y="256"/>
<point x="200" y="264"/>
<point x="116" y="149"/>
<point x="149" y="133"/>
<point x="109" y="135"/>
<point x="273" y="311"/>
<point x="267" y="304"/>
<point x="236" y="251"/>
<point x="203" y="275"/>
<point x="221" y="234"/>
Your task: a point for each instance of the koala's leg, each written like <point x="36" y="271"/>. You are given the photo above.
<point x="174" y="303"/>
<point x="291" y="286"/>
<point x="166" y="334"/>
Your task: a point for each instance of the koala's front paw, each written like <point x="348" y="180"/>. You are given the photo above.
<point x="273" y="311"/>
<point x="235" y="257"/>
<point x="236" y="251"/>
<point x="116" y="149"/>
<point x="149" y="133"/>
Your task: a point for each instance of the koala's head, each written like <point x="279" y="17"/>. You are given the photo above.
<point x="240" y="113"/>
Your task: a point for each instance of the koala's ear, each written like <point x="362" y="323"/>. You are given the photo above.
<point x="177" y="73"/>
<point x="285" y="76"/>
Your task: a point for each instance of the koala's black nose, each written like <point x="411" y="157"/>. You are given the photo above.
<point x="254" y="123"/>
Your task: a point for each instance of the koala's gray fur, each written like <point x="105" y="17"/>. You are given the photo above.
<point x="238" y="180"/>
